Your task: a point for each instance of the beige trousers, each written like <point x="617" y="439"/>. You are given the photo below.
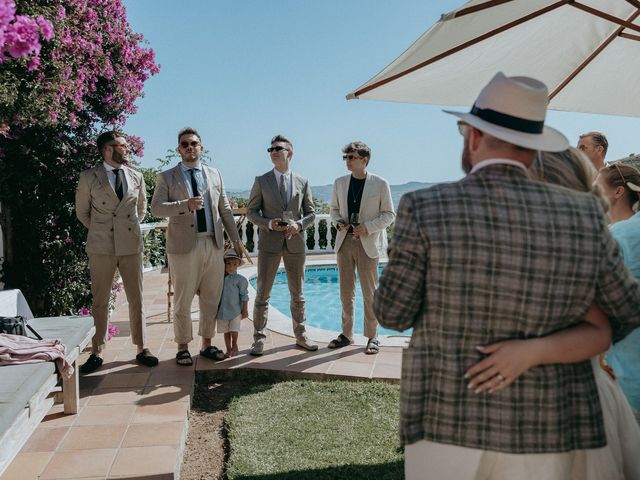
<point x="267" y="268"/>
<point x="200" y="269"/>
<point x="430" y="460"/>
<point x="102" y="269"/>
<point x="352" y="257"/>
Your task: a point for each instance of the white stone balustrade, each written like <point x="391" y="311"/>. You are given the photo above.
<point x="321" y="222"/>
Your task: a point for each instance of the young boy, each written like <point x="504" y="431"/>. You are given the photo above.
<point x="233" y="305"/>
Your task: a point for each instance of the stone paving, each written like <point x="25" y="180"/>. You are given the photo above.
<point x="133" y="420"/>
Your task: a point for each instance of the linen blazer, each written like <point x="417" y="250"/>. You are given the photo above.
<point x="171" y="198"/>
<point x="265" y="203"/>
<point x="113" y="224"/>
<point x="376" y="212"/>
<point x="498" y="256"/>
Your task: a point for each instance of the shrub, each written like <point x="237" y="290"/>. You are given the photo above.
<point x="88" y="76"/>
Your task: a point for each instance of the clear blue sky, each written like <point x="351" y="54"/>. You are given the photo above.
<point x="241" y="71"/>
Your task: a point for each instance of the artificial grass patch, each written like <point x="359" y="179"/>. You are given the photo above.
<point x="321" y="430"/>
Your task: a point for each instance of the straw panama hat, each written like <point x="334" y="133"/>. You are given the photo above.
<point x="231" y="253"/>
<point x="513" y="109"/>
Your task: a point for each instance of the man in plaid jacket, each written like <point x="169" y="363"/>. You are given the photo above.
<point x="498" y="256"/>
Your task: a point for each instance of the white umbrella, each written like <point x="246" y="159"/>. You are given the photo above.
<point x="586" y="52"/>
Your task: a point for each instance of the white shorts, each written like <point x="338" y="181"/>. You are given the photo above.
<point x="224" y="326"/>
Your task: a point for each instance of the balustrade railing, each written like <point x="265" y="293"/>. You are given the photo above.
<point x="319" y="237"/>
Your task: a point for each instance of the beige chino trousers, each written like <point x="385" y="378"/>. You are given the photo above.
<point x="102" y="269"/>
<point x="200" y="269"/>
<point x="352" y="257"/>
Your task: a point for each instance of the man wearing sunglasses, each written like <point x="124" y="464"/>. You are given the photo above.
<point x="111" y="199"/>
<point x="281" y="206"/>
<point x="192" y="195"/>
<point x="361" y="210"/>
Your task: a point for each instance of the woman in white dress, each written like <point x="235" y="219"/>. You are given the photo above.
<point x="620" y="459"/>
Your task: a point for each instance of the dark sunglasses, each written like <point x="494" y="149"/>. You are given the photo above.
<point x="350" y="156"/>
<point x="194" y="144"/>
<point x="275" y="149"/>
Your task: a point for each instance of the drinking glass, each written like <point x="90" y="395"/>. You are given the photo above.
<point x="287" y="216"/>
<point x="354" y="221"/>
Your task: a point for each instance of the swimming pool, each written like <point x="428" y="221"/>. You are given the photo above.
<point x="322" y="300"/>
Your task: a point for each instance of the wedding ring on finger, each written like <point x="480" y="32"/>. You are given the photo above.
<point x="501" y="378"/>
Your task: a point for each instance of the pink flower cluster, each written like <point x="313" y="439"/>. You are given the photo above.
<point x="112" y="331"/>
<point x="20" y="35"/>
<point x="101" y="65"/>
<point x="91" y="73"/>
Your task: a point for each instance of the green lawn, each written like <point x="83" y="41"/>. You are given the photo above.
<point x="315" y="430"/>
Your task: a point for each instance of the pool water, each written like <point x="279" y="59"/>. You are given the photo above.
<point x="322" y="300"/>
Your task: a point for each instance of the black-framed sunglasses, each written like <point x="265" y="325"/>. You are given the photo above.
<point x="350" y="157"/>
<point x="193" y="144"/>
<point x="277" y="148"/>
<point x="463" y="127"/>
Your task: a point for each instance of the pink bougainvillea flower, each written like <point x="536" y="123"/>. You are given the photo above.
<point x="112" y="331"/>
<point x="22" y="37"/>
<point x="84" y="312"/>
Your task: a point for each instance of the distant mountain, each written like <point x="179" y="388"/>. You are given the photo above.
<point x="323" y="192"/>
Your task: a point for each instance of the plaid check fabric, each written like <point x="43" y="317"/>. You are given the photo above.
<point x="498" y="256"/>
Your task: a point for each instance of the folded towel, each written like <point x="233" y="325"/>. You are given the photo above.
<point x="18" y="349"/>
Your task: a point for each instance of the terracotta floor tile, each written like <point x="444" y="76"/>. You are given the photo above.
<point x="57" y="418"/>
<point x="45" y="439"/>
<point x="305" y="367"/>
<point x="386" y="371"/>
<point x="124" y="380"/>
<point x="115" y="396"/>
<point x="165" y="394"/>
<point x="184" y="376"/>
<point x="155" y="434"/>
<point x="93" y="437"/>
<point x="105" y="414"/>
<point x="78" y="464"/>
<point x="167" y="412"/>
<point x="389" y="358"/>
<point x="145" y="461"/>
<point x="125" y="363"/>
<point x="350" y="369"/>
<point x="27" y="465"/>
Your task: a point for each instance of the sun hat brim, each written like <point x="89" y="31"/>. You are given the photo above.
<point x="550" y="140"/>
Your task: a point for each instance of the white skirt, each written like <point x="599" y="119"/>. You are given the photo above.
<point x="620" y="459"/>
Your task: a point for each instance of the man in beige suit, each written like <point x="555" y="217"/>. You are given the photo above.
<point x="192" y="195"/>
<point x="361" y="210"/>
<point x="274" y="193"/>
<point x="110" y="201"/>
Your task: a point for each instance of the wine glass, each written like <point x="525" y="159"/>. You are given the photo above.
<point x="287" y="217"/>
<point x="354" y="221"/>
<point x="203" y="188"/>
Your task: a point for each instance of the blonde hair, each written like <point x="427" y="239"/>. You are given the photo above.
<point x="570" y="169"/>
<point x="620" y="175"/>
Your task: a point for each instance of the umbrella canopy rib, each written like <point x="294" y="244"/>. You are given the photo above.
<point x="598" y="13"/>
<point x="630" y="36"/>
<point x="476" y="8"/>
<point x="593" y="55"/>
<point x="462" y="46"/>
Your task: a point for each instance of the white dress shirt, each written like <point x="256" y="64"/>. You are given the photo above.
<point x="112" y="177"/>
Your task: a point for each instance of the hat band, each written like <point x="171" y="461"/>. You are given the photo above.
<point x="507" y="121"/>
